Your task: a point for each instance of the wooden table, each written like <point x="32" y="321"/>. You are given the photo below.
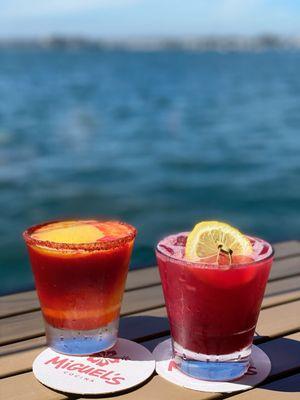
<point x="144" y="320"/>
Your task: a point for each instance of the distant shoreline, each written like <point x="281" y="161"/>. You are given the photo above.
<point x="201" y="43"/>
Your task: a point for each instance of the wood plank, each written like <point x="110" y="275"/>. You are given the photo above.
<point x="18" y="303"/>
<point x="285" y="268"/>
<point x="26" y="387"/>
<point x="276" y="292"/>
<point x="21" y="361"/>
<point x="280" y="299"/>
<point x="284" y="354"/>
<point x="282" y="286"/>
<point x="18" y="357"/>
<point x="160" y="389"/>
<point x="28" y="325"/>
<point x="25" y="326"/>
<point x="131" y="327"/>
<point x="282" y="291"/>
<point x="144" y="277"/>
<point x="142" y="299"/>
<point x="22" y="346"/>
<point x="282" y="389"/>
<point x="287" y="249"/>
<point x="279" y="320"/>
<point x="27" y="301"/>
<point x="272" y="322"/>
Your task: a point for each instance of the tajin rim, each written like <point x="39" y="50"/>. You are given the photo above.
<point x="205" y="265"/>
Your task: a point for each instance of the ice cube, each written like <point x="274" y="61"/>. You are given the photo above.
<point x="180" y="240"/>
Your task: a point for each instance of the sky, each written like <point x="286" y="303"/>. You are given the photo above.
<point x="147" y="18"/>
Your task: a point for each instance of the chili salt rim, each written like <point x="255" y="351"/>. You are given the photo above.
<point x="206" y="265"/>
<point x="88" y="247"/>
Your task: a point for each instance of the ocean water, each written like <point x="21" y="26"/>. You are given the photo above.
<point x="161" y="140"/>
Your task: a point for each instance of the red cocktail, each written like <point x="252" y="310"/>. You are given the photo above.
<point x="80" y="269"/>
<point x="213" y="307"/>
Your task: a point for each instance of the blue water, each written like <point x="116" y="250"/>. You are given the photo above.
<point x="160" y="140"/>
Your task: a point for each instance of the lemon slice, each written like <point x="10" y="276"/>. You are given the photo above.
<point x="209" y="238"/>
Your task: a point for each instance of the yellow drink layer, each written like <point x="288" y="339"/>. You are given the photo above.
<point x="80" y="232"/>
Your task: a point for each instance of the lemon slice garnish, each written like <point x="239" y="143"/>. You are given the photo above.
<point x="209" y="238"/>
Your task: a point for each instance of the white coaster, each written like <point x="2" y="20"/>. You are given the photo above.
<point x="125" y="365"/>
<point x="260" y="367"/>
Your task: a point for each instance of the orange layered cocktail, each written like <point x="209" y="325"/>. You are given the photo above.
<point x="80" y="269"/>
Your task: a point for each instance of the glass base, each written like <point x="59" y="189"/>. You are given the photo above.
<point x="79" y="342"/>
<point x="212" y="367"/>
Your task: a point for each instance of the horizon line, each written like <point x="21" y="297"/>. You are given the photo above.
<point x="196" y="42"/>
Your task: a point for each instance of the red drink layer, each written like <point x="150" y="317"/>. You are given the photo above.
<point x="80" y="273"/>
<point x="213" y="309"/>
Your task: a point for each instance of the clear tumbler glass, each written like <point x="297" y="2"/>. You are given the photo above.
<point x="80" y="285"/>
<point x="212" y="309"/>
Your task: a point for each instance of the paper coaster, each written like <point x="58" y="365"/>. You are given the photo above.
<point x="260" y="367"/>
<point x="125" y="365"/>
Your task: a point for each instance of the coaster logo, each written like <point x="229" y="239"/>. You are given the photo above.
<point x="85" y="369"/>
<point x="251" y="371"/>
<point x="172" y="365"/>
<point x="103" y="359"/>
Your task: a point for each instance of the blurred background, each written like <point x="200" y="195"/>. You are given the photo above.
<point x="157" y="113"/>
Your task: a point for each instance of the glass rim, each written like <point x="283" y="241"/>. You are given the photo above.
<point x="87" y="247"/>
<point x="206" y="265"/>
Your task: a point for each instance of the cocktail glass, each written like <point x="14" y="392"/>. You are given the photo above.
<point x="212" y="309"/>
<point x="80" y="285"/>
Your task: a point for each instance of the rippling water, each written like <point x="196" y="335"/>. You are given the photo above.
<point x="160" y="140"/>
